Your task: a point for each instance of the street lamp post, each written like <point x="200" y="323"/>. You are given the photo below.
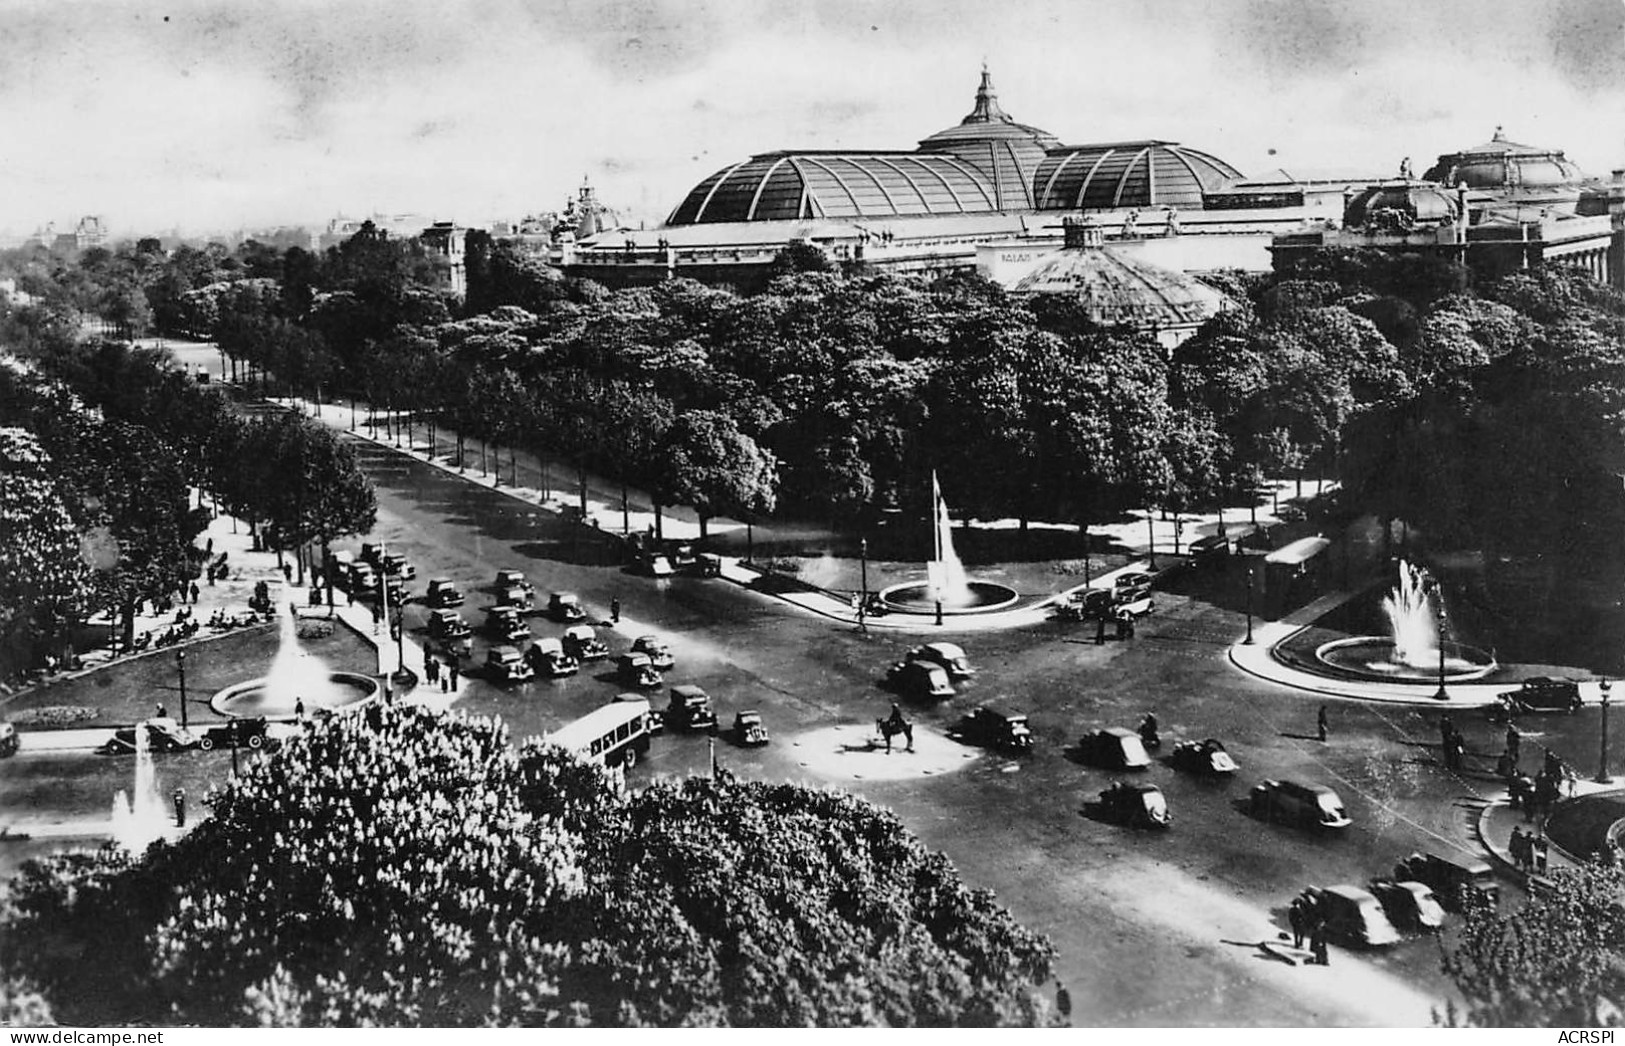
<point x="1249" y="640"/>
<point x="863" y="597"/>
<point x="1602" y="758"/>
<point x="180" y="666"/>
<point x="1440" y="694"/>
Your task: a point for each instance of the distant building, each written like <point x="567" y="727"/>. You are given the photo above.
<point x="446" y="243"/>
<point x="90" y="232"/>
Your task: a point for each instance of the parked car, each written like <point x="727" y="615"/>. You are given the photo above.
<point x="163" y="735"/>
<point x="581" y="642"/>
<point x="9" y="740"/>
<point x="1211" y="549"/>
<point x="659" y="652"/>
<point x="995" y="728"/>
<point x="505" y="664"/>
<point x="1352" y="916"/>
<point x="514" y="579"/>
<point x="443" y="593"/>
<point x="950" y="656"/>
<point x="637" y="670"/>
<point x="1140" y="805"/>
<point x="1089" y="604"/>
<point x="362" y="578"/>
<point x="653" y="564"/>
<point x="690" y="709"/>
<point x="1202" y="757"/>
<point x="1409" y="905"/>
<point x="1132" y="586"/>
<point x="748" y="729"/>
<point x="337" y="566"/>
<point x="654" y="721"/>
<point x="920" y="680"/>
<point x="236" y="733"/>
<point x="506" y="624"/>
<point x="548" y="657"/>
<point x="1114" y="748"/>
<point x="566" y="607"/>
<point x="1305" y="805"/>
<point x="1454" y="883"/>
<point x="448" y="626"/>
<point x="398" y="565"/>
<point x="515" y="596"/>
<point x="1543" y="694"/>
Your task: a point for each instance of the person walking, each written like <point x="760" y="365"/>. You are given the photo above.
<point x="1516" y="847"/>
<point x="1539" y="847"/>
<point x="1447" y="730"/>
<point x="454" y="675"/>
<point x="1063" y="1002"/>
<point x="615" y="611"/>
<point x="1317" y="943"/>
<point x="431" y="668"/>
<point x="1514" y="742"/>
<point x="1320" y="722"/>
<point x="1294" y="918"/>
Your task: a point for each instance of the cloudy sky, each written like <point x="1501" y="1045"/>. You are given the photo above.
<point x="210" y="115"/>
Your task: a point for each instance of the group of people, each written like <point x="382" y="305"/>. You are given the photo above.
<point x="1307" y="922"/>
<point x="1528" y="850"/>
<point x="1536" y="797"/>
<point x="1452" y="744"/>
<point x="444" y="674"/>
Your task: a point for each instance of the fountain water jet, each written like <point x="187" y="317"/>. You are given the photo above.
<point x="946" y="586"/>
<point x="139" y="817"/>
<point x="1411" y="652"/>
<point x="296" y="677"/>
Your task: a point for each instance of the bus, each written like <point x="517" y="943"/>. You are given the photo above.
<point x="614" y="735"/>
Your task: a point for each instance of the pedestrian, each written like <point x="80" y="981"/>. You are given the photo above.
<point x="1517" y="847"/>
<point x="445" y="684"/>
<point x="163" y="713"/>
<point x="208" y="549"/>
<point x="299" y="709"/>
<point x="1540" y="854"/>
<point x="454" y="676"/>
<point x="1320" y="722"/>
<point x="195" y="592"/>
<point x="1063" y="1001"/>
<point x="1514" y="742"/>
<point x="1317" y="944"/>
<point x="615" y="611"/>
<point x="287" y="572"/>
<point x="1447" y="730"/>
<point x="1294" y="918"/>
<point x="180" y="808"/>
<point x="1100" y="630"/>
<point x="431" y="668"/>
<point x="1523" y="791"/>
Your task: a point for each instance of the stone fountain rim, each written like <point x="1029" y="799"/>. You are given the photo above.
<point x="373" y="687"/>
<point x="1011" y="600"/>
<point x="1484" y="662"/>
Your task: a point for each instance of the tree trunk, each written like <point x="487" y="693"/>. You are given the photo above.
<point x="127" y="623"/>
<point x="581" y="473"/>
<point x="1083" y="532"/>
<point x="482" y="456"/>
<point x="626" y="512"/>
<point x="327" y="574"/>
<point x="1151" y="533"/>
<point x="513" y="466"/>
<point x="705" y="520"/>
<point x="1221" y="519"/>
<point x="660" y="532"/>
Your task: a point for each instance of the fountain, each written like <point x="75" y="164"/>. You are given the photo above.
<point x="139" y="816"/>
<point x="1412" y="652"/>
<point x="946" y="586"/>
<point x="296" y="677"/>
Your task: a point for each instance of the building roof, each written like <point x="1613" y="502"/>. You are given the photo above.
<point x="1127" y="174"/>
<point x="1507" y="166"/>
<point x="1118" y="288"/>
<point x="1405" y="200"/>
<point x="801" y="185"/>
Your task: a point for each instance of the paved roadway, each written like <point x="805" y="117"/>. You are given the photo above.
<point x="1152" y="930"/>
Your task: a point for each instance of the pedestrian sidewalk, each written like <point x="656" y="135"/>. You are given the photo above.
<point x="1497" y="820"/>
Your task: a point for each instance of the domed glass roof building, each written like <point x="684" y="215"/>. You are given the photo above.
<point x="1116" y="288"/>
<point x="1402" y="203"/>
<point x="990" y="138"/>
<point x="1505" y="167"/>
<point x="1128" y="174"/>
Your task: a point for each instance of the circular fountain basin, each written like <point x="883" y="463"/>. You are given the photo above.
<point x="1372" y="658"/>
<point x="915" y="597"/>
<point x="254" y="698"/>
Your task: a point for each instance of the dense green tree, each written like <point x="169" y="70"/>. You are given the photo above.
<point x="709" y="464"/>
<point x="42" y="575"/>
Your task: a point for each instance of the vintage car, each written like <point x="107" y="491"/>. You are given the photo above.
<point x="637" y="670"/>
<point x="950" y="656"/>
<point x="448" y="626"/>
<point x="443" y="593"/>
<point x="748" y="730"/>
<point x="995" y="728"/>
<point x="235" y="733"/>
<point x="515" y="596"/>
<point x="9" y="740"/>
<point x="361" y="579"/>
<point x="1202" y="757"/>
<point x="1089" y="604"/>
<point x="506" y="624"/>
<point x="1114" y="748"/>
<point x="1351" y="916"/>
<point x="653" y="564"/>
<point x="397" y="565"/>
<point x="1140" y="805"/>
<point x="548" y="657"/>
<point x="659" y="652"/>
<point x="583" y="643"/>
<point x="505" y="664"/>
<point x="1307" y="806"/>
<point x="1541" y="694"/>
<point x="163" y="735"/>
<point x="1454" y="883"/>
<point x="565" y="607"/>
<point x="690" y="709"/>
<point x="1409" y="905"/>
<point x="513" y="579"/>
<point x="1132" y="586"/>
<point x="654" y="721"/>
<point x="922" y="680"/>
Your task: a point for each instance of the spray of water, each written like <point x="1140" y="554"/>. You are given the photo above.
<point x="945" y="573"/>
<point x="139" y="817"/>
<point x="1413" y="618"/>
